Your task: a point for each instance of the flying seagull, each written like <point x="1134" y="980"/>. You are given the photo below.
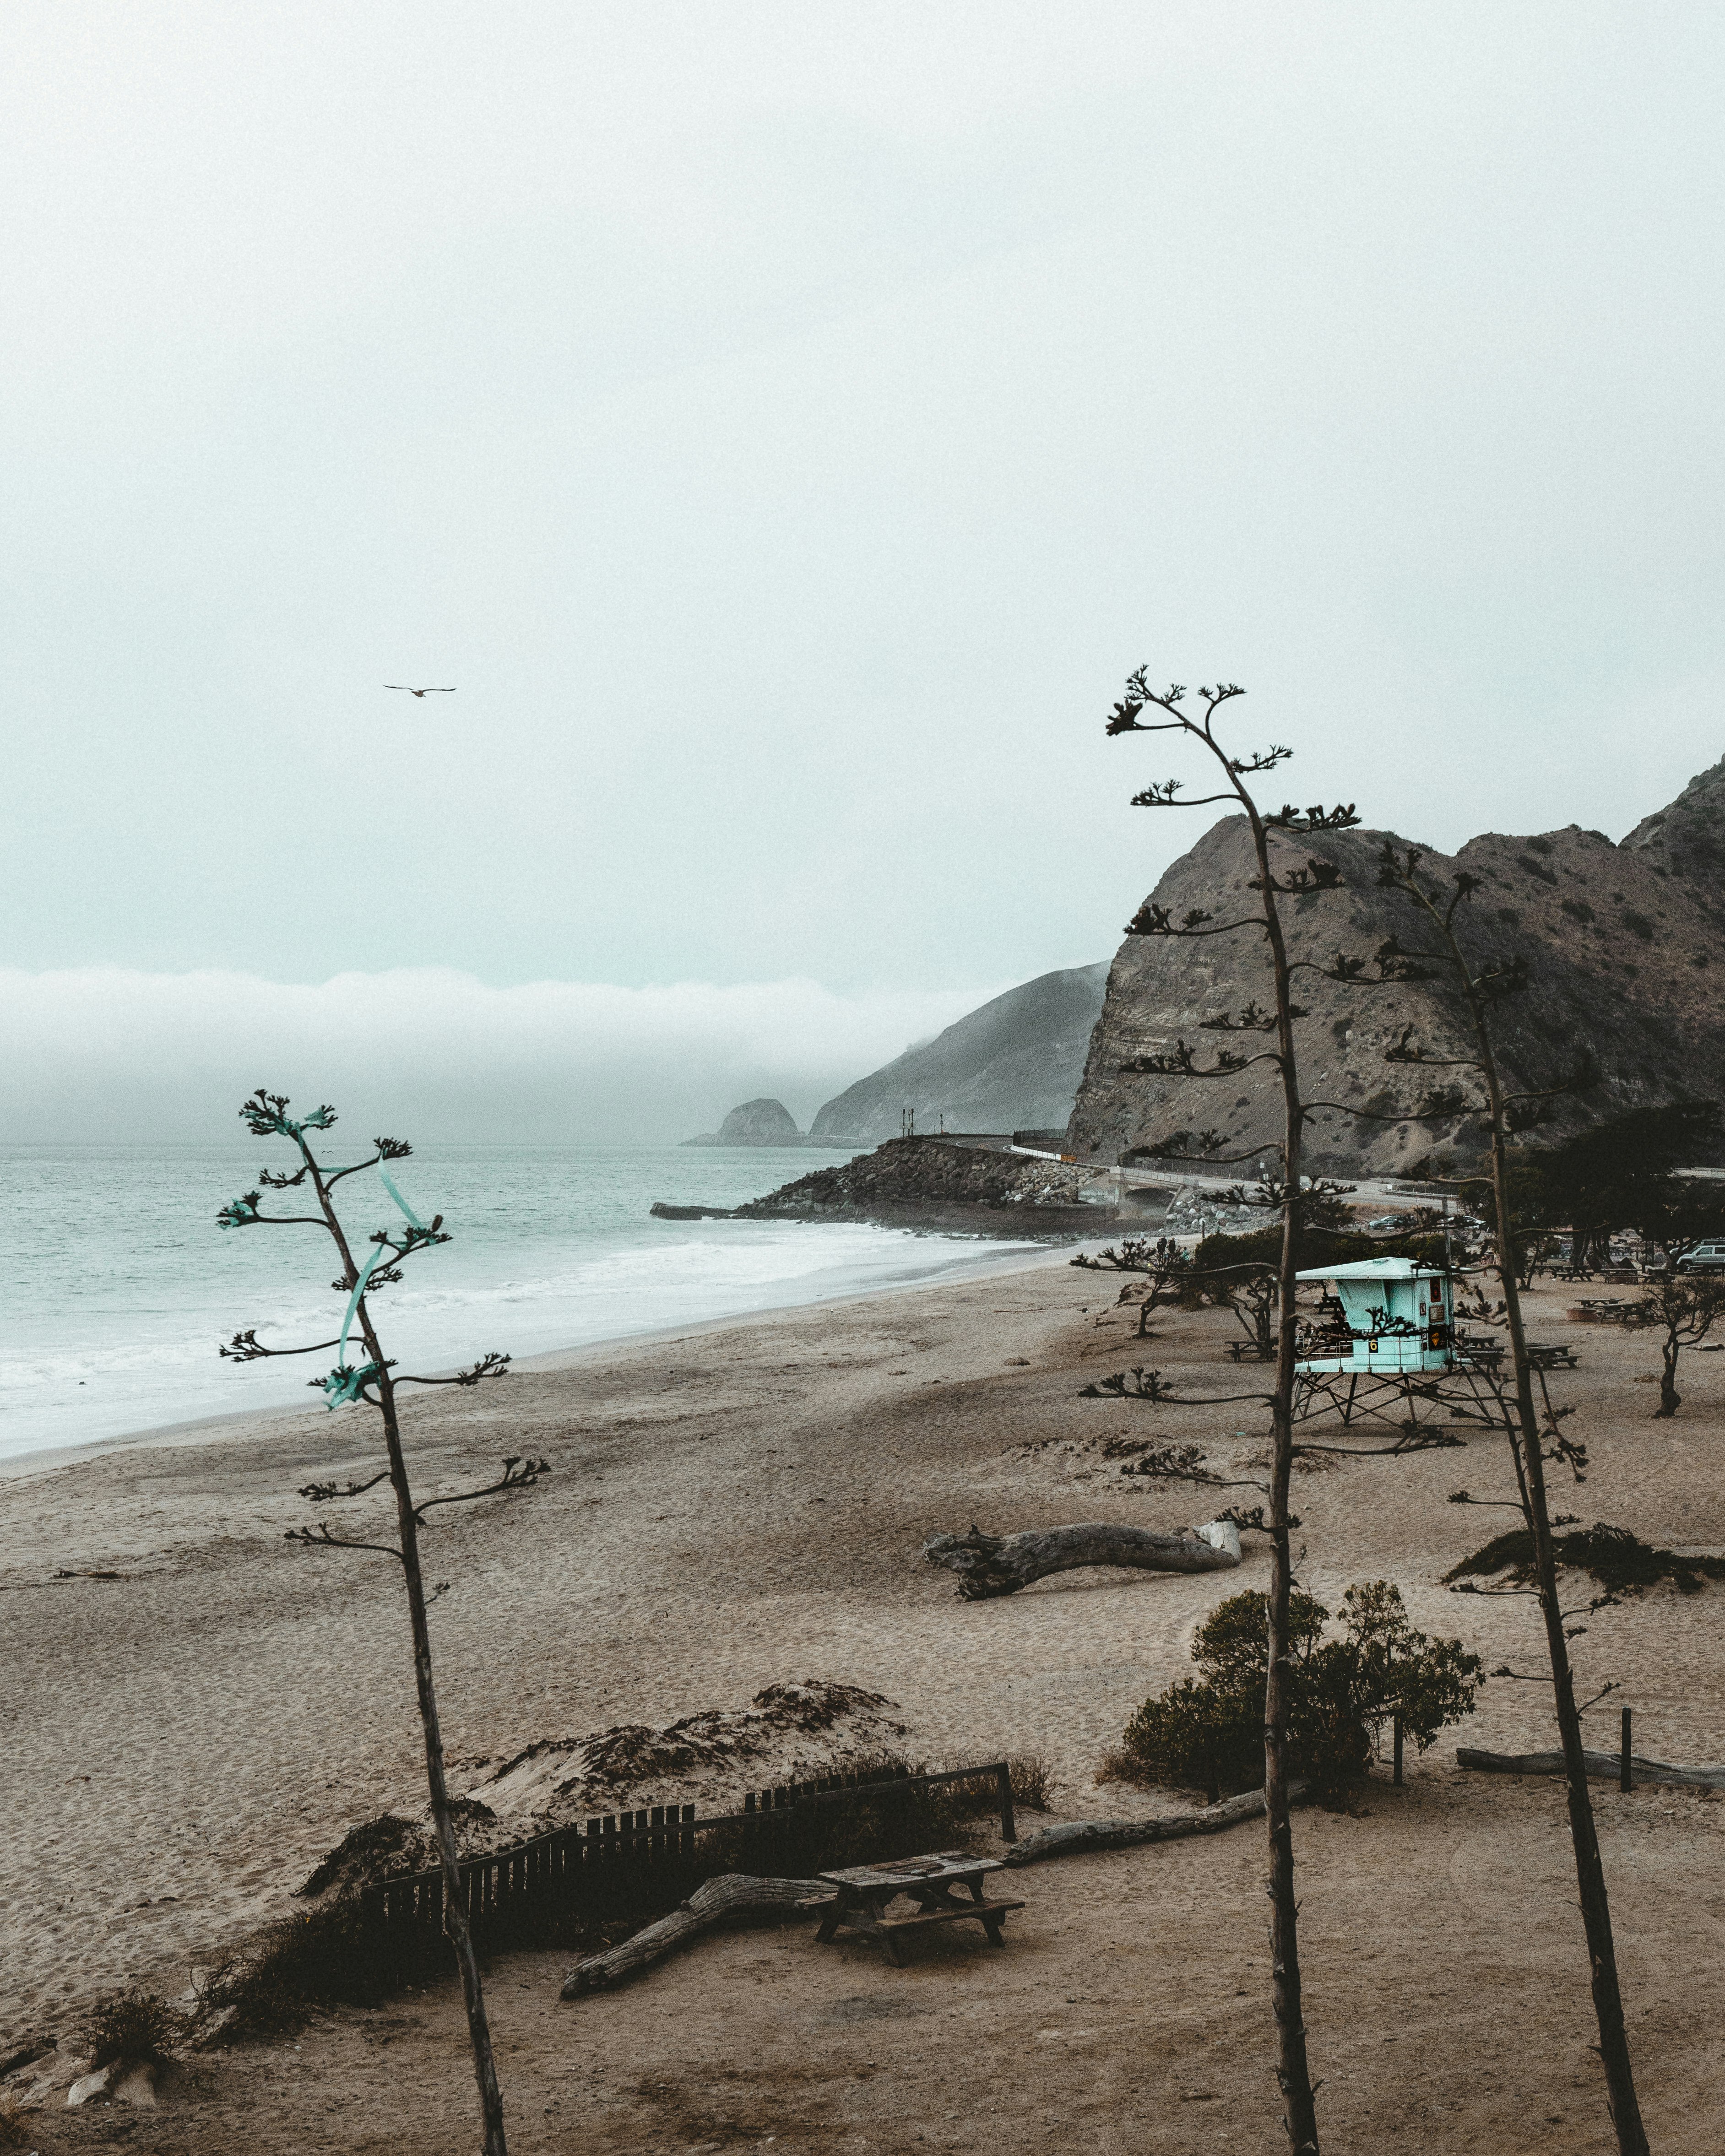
<point x="420" y="692"/>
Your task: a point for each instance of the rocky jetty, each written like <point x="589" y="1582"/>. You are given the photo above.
<point x="924" y="1182"/>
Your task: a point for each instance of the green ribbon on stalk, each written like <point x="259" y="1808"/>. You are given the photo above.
<point x="389" y="1182"/>
<point x="343" y="1383"/>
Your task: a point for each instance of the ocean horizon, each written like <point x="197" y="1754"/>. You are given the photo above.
<point x="119" y="1286"/>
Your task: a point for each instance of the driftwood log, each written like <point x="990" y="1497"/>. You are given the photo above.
<point x="731" y="1895"/>
<point x="1001" y="1565"/>
<point x="1079" y="1837"/>
<point x="1601" y="1766"/>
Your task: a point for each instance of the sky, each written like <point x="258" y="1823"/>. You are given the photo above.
<point x="785" y="428"/>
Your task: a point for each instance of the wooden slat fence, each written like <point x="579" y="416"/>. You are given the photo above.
<point x="655" y="1857"/>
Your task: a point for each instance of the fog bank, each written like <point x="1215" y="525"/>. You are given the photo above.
<point x="102" y="1054"/>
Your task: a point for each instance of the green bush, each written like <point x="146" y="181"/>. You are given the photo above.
<point x="1207" y="1733"/>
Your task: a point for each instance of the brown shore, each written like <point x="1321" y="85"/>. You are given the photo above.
<point x="743" y="1506"/>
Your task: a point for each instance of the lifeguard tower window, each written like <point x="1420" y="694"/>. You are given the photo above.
<point x="1401" y="1316"/>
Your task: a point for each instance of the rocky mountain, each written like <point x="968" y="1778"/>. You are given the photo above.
<point x="1013" y="1065"/>
<point x="1687" y="839"/>
<point x="1627" y="963"/>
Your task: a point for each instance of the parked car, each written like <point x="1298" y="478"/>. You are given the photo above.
<point x="1704" y="1258"/>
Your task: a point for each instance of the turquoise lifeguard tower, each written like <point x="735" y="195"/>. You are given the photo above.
<point x="1401" y="1314"/>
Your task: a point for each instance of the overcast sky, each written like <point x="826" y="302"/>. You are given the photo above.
<point x="786" y="426"/>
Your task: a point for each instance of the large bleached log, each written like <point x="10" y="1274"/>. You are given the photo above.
<point x="1601" y="1766"/>
<point x="1001" y="1565"/>
<point x="1081" y="1837"/>
<point x="714" y="1902"/>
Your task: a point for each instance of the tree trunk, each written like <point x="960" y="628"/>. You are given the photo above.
<point x="1529" y="1441"/>
<point x="485" y="2065"/>
<point x="1669" y="1399"/>
<point x="715" y="1901"/>
<point x="988" y="1565"/>
<point x="1293" y="2071"/>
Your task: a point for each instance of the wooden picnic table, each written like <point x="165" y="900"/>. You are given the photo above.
<point x="865" y="1892"/>
<point x="1486" y="1353"/>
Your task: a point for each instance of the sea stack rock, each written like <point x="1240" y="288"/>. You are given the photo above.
<point x="755" y="1123"/>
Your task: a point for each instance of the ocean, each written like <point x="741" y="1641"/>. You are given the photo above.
<point x="118" y="1285"/>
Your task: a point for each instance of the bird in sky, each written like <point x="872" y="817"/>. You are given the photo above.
<point x="420" y="692"/>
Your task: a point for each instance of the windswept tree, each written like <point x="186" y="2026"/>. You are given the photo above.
<point x="370" y="1381"/>
<point x="1166" y="1271"/>
<point x="1265" y="1032"/>
<point x="1248" y="1289"/>
<point x="1471" y="1083"/>
<point x="1681" y="1312"/>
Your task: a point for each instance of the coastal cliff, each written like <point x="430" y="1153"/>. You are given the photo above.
<point x="1014" y="1064"/>
<point x="1625" y="957"/>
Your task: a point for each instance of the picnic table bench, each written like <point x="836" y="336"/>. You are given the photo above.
<point x="1249" y="1351"/>
<point x="864" y="1892"/>
<point x="1487" y="1353"/>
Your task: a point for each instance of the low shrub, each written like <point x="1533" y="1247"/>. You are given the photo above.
<point x="336" y="1954"/>
<point x="135" y="2025"/>
<point x="1207" y="1731"/>
<point x="1031" y="1778"/>
<point x="1620" y="1562"/>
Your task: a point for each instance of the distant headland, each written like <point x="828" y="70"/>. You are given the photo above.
<point x="766" y="1123"/>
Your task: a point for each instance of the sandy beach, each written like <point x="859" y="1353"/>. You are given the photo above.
<point x="743" y="1506"/>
